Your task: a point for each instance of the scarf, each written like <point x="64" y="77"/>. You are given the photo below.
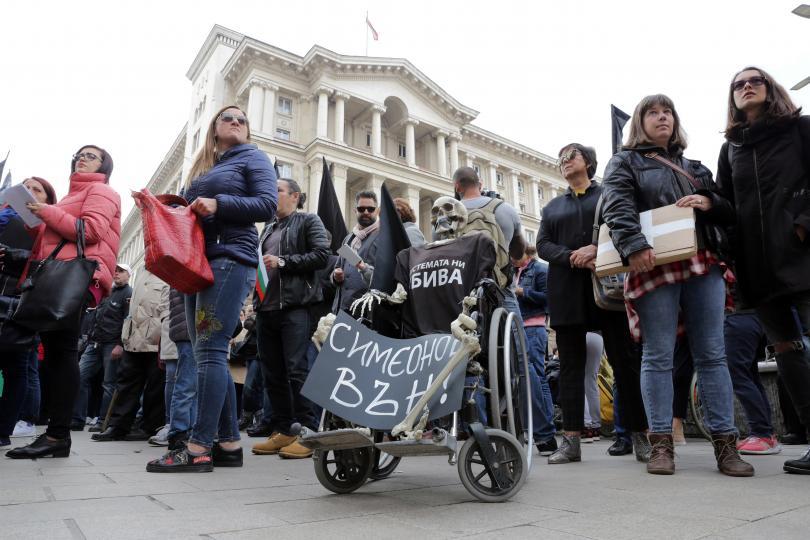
<point x="361" y="234"/>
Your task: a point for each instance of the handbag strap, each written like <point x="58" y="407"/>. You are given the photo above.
<point x="79" y="242"/>
<point x="658" y="157"/>
<point x="597" y="214"/>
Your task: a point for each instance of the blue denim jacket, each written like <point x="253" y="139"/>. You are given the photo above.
<point x="243" y="182"/>
<point x="533" y="302"/>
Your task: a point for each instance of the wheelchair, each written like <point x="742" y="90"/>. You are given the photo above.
<point x="489" y="439"/>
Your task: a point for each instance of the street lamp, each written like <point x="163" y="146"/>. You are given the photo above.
<point x="802" y="10"/>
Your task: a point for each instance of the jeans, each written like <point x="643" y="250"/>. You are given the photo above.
<point x="30" y="405"/>
<point x="595" y="346"/>
<point x="96" y="356"/>
<point x="283" y="340"/>
<point x="702" y="301"/>
<point x="14" y="365"/>
<point x="744" y="337"/>
<point x="212" y="315"/>
<point x="780" y="325"/>
<point x="181" y="389"/>
<point x="536" y="343"/>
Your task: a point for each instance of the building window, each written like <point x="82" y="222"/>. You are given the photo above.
<point x="282" y="134"/>
<point x="499" y="178"/>
<point x="195" y="142"/>
<point x="530" y="237"/>
<point x="540" y="193"/>
<point x="368" y="138"/>
<point x="523" y="208"/>
<point x="520" y="186"/>
<point x="284" y="105"/>
<point x="285" y="170"/>
<point x="403" y="152"/>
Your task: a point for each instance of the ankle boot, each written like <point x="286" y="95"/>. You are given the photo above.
<point x="568" y="451"/>
<point x="662" y="454"/>
<point x="641" y="446"/>
<point x="728" y="458"/>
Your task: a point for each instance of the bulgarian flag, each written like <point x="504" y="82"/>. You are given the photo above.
<point x="261" y="278"/>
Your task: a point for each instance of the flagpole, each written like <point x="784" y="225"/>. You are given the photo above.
<point x="366" y="33"/>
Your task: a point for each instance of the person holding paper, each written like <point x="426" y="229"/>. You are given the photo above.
<point x="93" y="200"/>
<point x="764" y="170"/>
<point x="650" y="173"/>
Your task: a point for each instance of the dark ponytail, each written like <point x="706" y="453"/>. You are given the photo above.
<point x="295" y="188"/>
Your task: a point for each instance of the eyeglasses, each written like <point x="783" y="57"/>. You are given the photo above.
<point x="753" y="81"/>
<point x="228" y="118"/>
<point x="87" y="156"/>
<point x="568" y="155"/>
<point x="366" y="209"/>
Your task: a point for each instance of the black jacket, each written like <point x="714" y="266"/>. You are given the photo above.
<point x="178" y="329"/>
<point x="636" y="183"/>
<point x="567" y="225"/>
<point x="305" y="249"/>
<point x="17" y="245"/>
<point x="110" y="315"/>
<point x="764" y="171"/>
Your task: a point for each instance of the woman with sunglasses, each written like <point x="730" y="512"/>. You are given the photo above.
<point x="764" y="170"/>
<point x="649" y="173"/>
<point x="231" y="187"/>
<point x="91" y="199"/>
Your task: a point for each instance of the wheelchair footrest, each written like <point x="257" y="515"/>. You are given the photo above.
<point x="424" y="447"/>
<point x="337" y="439"/>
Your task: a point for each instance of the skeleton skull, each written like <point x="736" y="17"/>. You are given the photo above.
<point x="448" y="216"/>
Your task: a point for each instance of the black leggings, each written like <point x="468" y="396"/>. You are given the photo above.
<point x="61" y="370"/>
<point x="625" y="358"/>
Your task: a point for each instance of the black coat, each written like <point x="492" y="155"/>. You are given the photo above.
<point x="305" y="250"/>
<point x="178" y="328"/>
<point x="567" y="225"/>
<point x="636" y="183"/>
<point x="766" y="176"/>
<point x="110" y="315"/>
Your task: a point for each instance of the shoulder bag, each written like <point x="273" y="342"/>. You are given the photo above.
<point x="608" y="291"/>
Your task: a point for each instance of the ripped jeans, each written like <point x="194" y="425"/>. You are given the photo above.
<point x="212" y="315"/>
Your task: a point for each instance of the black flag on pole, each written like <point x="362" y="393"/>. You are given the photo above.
<point x="275" y="167"/>
<point x="329" y="210"/>
<point x="8" y="178"/>
<point x="618" y="118"/>
<point x="391" y="239"/>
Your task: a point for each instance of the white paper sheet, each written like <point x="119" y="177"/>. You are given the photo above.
<point x="17" y="197"/>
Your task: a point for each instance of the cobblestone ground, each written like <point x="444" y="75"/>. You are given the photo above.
<point x="102" y="491"/>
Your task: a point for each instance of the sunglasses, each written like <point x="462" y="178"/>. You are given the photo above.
<point x="87" y="156"/>
<point x="566" y="156"/>
<point x="753" y="81"/>
<point x="228" y="118"/>
<point x="366" y="209"/>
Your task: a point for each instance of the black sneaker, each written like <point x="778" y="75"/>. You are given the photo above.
<point x="182" y="461"/>
<point x="227" y="458"/>
<point x="621" y="447"/>
<point x="548" y="447"/>
<point x="798" y="466"/>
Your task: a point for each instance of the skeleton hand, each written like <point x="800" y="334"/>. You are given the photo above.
<point x="366" y="302"/>
<point x="322" y="332"/>
<point x="464" y="326"/>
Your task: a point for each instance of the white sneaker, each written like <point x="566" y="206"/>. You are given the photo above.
<point x="161" y="438"/>
<point x="24" y="429"/>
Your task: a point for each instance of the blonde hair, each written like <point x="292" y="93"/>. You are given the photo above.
<point x="208" y="155"/>
<point x="638" y="137"/>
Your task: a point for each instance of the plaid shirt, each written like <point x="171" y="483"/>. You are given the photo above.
<point x="638" y="284"/>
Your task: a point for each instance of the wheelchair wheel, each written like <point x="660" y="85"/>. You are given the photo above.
<point x="384" y="464"/>
<point x="695" y="405"/>
<point x="343" y="471"/>
<point x="479" y="481"/>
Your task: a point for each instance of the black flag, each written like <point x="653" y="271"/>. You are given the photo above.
<point x="618" y="118"/>
<point x="329" y="210"/>
<point x="3" y="166"/>
<point x="391" y="239"/>
<point x="275" y="167"/>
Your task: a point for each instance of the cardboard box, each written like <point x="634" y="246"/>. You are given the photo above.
<point x="670" y="230"/>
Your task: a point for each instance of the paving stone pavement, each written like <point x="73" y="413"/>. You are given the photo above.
<point x="102" y="491"/>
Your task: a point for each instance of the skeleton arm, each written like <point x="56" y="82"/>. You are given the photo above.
<point x="366" y="301"/>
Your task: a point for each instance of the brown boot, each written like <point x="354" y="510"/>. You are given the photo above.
<point x="273" y="444"/>
<point x="728" y="458"/>
<point x="662" y="455"/>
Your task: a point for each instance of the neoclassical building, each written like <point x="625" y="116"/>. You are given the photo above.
<point x="374" y="119"/>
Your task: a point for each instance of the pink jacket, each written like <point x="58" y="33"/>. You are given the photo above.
<point x="91" y="199"/>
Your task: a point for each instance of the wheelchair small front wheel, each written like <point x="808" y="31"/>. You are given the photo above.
<point x="510" y="457"/>
<point x="343" y="471"/>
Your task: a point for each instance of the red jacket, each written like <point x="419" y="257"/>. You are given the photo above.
<point x="91" y="199"/>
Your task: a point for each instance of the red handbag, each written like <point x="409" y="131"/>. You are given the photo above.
<point x="173" y="241"/>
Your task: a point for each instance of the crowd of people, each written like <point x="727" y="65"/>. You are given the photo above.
<point x="190" y="371"/>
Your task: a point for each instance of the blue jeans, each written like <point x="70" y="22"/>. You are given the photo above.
<point x="14" y="365"/>
<point x="744" y="340"/>
<point x="181" y="389"/>
<point x="30" y="405"/>
<point x="536" y="343"/>
<point x="96" y="356"/>
<point x="212" y="315"/>
<point x="702" y="301"/>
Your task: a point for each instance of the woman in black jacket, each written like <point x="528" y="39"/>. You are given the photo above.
<point x="764" y="170"/>
<point x="294" y="247"/>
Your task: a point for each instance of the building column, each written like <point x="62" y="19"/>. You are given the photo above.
<point x="255" y="104"/>
<point x="535" y="197"/>
<point x="469" y="159"/>
<point x="340" y="116"/>
<point x="410" y="142"/>
<point x="441" y="152"/>
<point x="493" y="176"/>
<point x="513" y="174"/>
<point x="323" y="113"/>
<point x="315" y="175"/>
<point x="412" y="194"/>
<point x="269" y="113"/>
<point x="340" y="174"/>
<point x="376" y="129"/>
<point x="454" y="138"/>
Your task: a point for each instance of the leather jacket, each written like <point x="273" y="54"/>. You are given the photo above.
<point x="635" y="182"/>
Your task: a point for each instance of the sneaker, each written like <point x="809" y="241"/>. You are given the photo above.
<point x="295" y="450"/>
<point x="621" y="447"/>
<point x="798" y="466"/>
<point x="181" y="460"/>
<point x="161" y="438"/>
<point x="548" y="447"/>
<point x="585" y="436"/>
<point x="24" y="429"/>
<point x="596" y="433"/>
<point x="760" y="445"/>
<point x="273" y="444"/>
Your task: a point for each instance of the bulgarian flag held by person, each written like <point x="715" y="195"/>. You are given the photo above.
<point x="261" y="278"/>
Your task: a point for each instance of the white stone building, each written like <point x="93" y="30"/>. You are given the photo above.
<point x="374" y="119"/>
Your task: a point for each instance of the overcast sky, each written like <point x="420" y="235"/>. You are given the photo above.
<point x="541" y="73"/>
